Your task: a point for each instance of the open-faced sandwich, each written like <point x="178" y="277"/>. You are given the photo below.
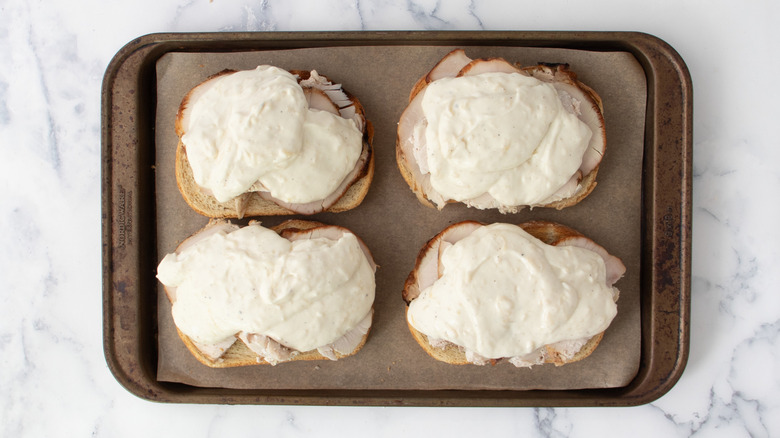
<point x="270" y="142"/>
<point x="493" y="135"/>
<point x="251" y="295"/>
<point x="533" y="293"/>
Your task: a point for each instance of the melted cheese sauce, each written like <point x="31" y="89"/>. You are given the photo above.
<point x="255" y="127"/>
<point x="505" y="134"/>
<point x="504" y="293"/>
<point x="304" y="294"/>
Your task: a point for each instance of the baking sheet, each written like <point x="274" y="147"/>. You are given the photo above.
<point x="395" y="225"/>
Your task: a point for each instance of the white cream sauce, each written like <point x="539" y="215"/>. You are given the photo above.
<point x="304" y="294"/>
<point x="254" y="127"/>
<point x="504" y="293"/>
<point x="505" y="134"/>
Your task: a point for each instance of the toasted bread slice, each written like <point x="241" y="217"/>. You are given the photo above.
<point x="347" y="196"/>
<point x="583" y="99"/>
<point x="239" y="353"/>
<point x="455" y="355"/>
<point x="559" y="353"/>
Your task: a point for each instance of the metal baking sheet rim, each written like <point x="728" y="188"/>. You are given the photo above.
<point x="666" y="241"/>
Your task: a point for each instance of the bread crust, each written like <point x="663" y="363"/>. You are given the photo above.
<point x="239" y="354"/>
<point x="201" y="201"/>
<point x="548" y="232"/>
<point x="557" y="73"/>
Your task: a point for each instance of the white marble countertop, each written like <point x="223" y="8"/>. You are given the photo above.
<point x="53" y="374"/>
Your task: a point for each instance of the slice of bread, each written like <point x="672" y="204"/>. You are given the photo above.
<point x="456" y="64"/>
<point x="455" y="355"/>
<point x="239" y="354"/>
<point x="251" y="204"/>
<point x="550" y="233"/>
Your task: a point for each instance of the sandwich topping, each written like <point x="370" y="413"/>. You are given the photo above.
<point x="303" y="294"/>
<point x="492" y="135"/>
<point x="254" y="130"/>
<point x="503" y="134"/>
<point x="503" y="293"/>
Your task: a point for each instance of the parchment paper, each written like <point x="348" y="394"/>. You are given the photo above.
<point x="395" y="225"/>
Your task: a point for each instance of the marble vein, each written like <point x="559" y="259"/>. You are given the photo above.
<point x="445" y="15"/>
<point x="51" y="128"/>
<point x="358" y="8"/>
<point x="740" y="286"/>
<point x="427" y="19"/>
<point x="546" y="422"/>
<point x="256" y="18"/>
<point x="472" y="8"/>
